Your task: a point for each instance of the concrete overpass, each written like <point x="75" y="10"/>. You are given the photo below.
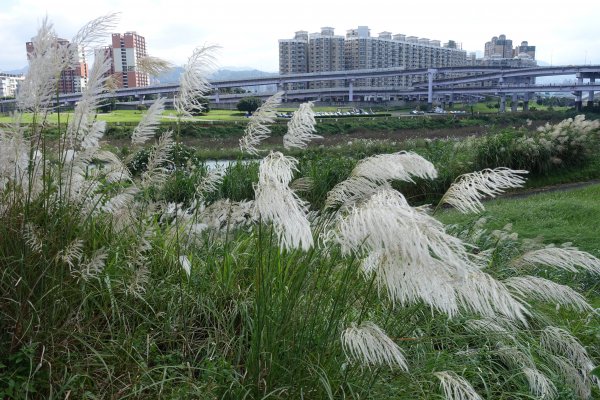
<point x="477" y="80"/>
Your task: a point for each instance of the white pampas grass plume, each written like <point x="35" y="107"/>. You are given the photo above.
<point x="225" y="213"/>
<point x="95" y="133"/>
<point x="351" y="190"/>
<point x="153" y="65"/>
<point x="301" y="127"/>
<point x="45" y="65"/>
<point x="193" y="84"/>
<point x="146" y="128"/>
<point x="275" y="202"/>
<point x="257" y="129"/>
<point x="81" y="126"/>
<point x="466" y="192"/>
<point x="572" y="376"/>
<point x="156" y="173"/>
<point x="94" y="32"/>
<point x="369" y="345"/>
<point x="482" y="293"/>
<point x="567" y="258"/>
<point x="121" y="202"/>
<point x="211" y="181"/>
<point x="560" y="342"/>
<point x="32" y="238"/>
<point x="456" y="387"/>
<point x="498" y="327"/>
<point x="374" y="172"/>
<point x="546" y="290"/>
<point x="71" y="254"/>
<point x="185" y="264"/>
<point x="515" y="358"/>
<point x="112" y="168"/>
<point x="396" y="166"/>
<point x="93" y="267"/>
<point x="539" y="384"/>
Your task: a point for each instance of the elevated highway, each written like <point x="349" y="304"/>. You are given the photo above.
<point x="463" y="80"/>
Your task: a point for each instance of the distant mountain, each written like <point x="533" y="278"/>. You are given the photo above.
<point x="173" y="75"/>
<point x="21" y="71"/>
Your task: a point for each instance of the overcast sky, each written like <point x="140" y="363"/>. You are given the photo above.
<point x="248" y="32"/>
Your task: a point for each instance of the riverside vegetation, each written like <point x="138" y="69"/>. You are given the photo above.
<point x="169" y="280"/>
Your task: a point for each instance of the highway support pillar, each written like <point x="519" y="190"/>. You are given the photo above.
<point x="430" y="73"/>
<point x="514" y="102"/>
<point x="502" y="103"/>
<point x="526" y="101"/>
<point x="351" y="90"/>
<point x="578" y="94"/>
<point x="590" y="101"/>
<point x="217" y="96"/>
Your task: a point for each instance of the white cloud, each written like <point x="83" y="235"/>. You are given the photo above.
<point x="248" y="31"/>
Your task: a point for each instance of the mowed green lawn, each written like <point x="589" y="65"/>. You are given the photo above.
<point x="134" y="116"/>
<point x="558" y="217"/>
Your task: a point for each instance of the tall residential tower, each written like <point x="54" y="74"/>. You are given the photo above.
<point x="125" y="51"/>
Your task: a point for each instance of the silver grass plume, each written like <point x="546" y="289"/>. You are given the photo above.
<point x="156" y="173"/>
<point x="95" y="31"/>
<point x="369" y="345"/>
<point x="375" y="171"/>
<point x="71" y="255"/>
<point x="225" y="213"/>
<point x="45" y="65"/>
<point x="514" y="357"/>
<point x="81" y="125"/>
<point x="301" y="127"/>
<point x="113" y="169"/>
<point x="373" y="229"/>
<point x="498" y="327"/>
<point x="257" y="129"/>
<point x="568" y="258"/>
<point x="147" y="126"/>
<point x="14" y="157"/>
<point x="275" y="202"/>
<point x="456" y="387"/>
<point x="560" y="342"/>
<point x="92" y="267"/>
<point x="539" y="385"/>
<point x="185" y="264"/>
<point x="32" y="238"/>
<point x="400" y="166"/>
<point x="210" y="182"/>
<point x="466" y="192"/>
<point x="482" y="293"/>
<point x="193" y="83"/>
<point x="153" y="66"/>
<point x="572" y="376"/>
<point x="546" y="290"/>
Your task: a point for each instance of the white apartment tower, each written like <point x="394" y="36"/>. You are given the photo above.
<point x="126" y="50"/>
<point x="293" y="57"/>
<point x="359" y="50"/>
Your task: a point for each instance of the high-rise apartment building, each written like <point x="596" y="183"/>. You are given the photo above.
<point x="293" y="57"/>
<point x="9" y="84"/>
<point x="359" y="50"/>
<point x="502" y="48"/>
<point x="124" y="52"/>
<point x="325" y="53"/>
<point x="72" y="79"/>
<point x="525" y="49"/>
<point x="499" y="47"/>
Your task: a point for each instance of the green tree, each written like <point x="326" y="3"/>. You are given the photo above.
<point x="249" y="104"/>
